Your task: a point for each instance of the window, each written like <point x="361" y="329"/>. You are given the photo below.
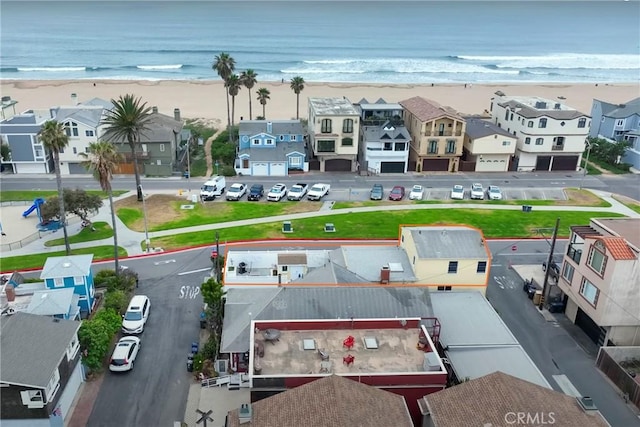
<point x="256" y="142"/>
<point x="482" y="267"/>
<point x="281" y="137"/>
<point x="597" y="260"/>
<point x="347" y="126"/>
<point x="347" y="142"/>
<point x="32" y="398"/>
<point x="530" y="124"/>
<point x="88" y="133"/>
<point x="78" y="280"/>
<point x="559" y="141"/>
<point x="441" y="129"/>
<point x="433" y="147"/>
<point x="245" y="163"/>
<point x="285" y="268"/>
<point x="162" y="148"/>
<point x="58" y="282"/>
<point x="506" y="114"/>
<point x="38" y="152"/>
<point x="539" y="141"/>
<point x="75" y="150"/>
<point x="61" y="151"/>
<point x="511" y="117"/>
<point x="326" y="146"/>
<point x="387" y="146"/>
<point x="326" y="126"/>
<point x="506" y="143"/>
<point x="295" y="161"/>
<point x="444" y="288"/>
<point x="582" y="123"/>
<point x="620" y="122"/>
<point x="451" y="146"/>
<point x="453" y="267"/>
<point x="589" y="292"/>
<point x="86" y="150"/>
<point x="292" y="138"/>
<point x="562" y="124"/>
<point x="269" y="141"/>
<point x="567" y="272"/>
<point x="400" y="146"/>
<point x="527" y="140"/>
<point x="53" y="386"/>
<point x="542" y="123"/>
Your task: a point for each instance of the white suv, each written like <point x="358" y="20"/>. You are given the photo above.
<point x="134" y="319"/>
<point x="477" y="192"/>
<point x="124" y="354"/>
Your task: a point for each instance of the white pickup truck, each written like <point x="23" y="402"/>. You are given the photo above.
<point x="277" y="193"/>
<point x="297" y="192"/>
<point x="318" y="191"/>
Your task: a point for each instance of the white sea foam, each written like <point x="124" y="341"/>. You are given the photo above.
<point x="560" y="61"/>
<point x="52" y="69"/>
<point x="160" y="67"/>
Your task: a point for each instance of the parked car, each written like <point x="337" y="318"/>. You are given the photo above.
<point x="417" y="192"/>
<point x="136" y="316"/>
<point x="297" y="191"/>
<point x="124" y="354"/>
<point x="236" y="191"/>
<point x="494" y="193"/>
<point x="277" y="193"/>
<point x="377" y="192"/>
<point x="457" y="192"/>
<point x="318" y="191"/>
<point x="212" y="188"/>
<point x="256" y="192"/>
<point x="477" y="192"/>
<point x="397" y="193"/>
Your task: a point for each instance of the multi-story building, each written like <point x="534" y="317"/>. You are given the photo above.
<point x="27" y="153"/>
<point x="437" y="135"/>
<point x="270" y="148"/>
<point x="600" y="276"/>
<point x="334" y="129"/>
<point x="487" y="147"/>
<point x="384" y="140"/>
<point x="73" y="271"/>
<point x="551" y="135"/>
<point x="618" y="122"/>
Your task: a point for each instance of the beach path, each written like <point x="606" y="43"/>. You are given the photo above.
<point x="207" y="153"/>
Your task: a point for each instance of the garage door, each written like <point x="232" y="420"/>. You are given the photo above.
<point x="392" y="167"/>
<point x="337" y="165"/>
<point x="435" y="165"/>
<point x="277" y="169"/>
<point x="564" y="163"/>
<point x="591" y="328"/>
<point x="30" y="168"/>
<point x="77" y="168"/>
<point x="542" y="163"/>
<point x="260" y="169"/>
<point x="70" y="390"/>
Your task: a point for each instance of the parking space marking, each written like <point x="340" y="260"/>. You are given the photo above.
<point x="194" y="271"/>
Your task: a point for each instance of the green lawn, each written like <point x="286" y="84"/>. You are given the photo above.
<point x="384" y="225"/>
<point x="30" y="195"/>
<point x="38" y="260"/>
<point x="591" y="170"/>
<point x="608" y="166"/>
<point x="103" y="231"/>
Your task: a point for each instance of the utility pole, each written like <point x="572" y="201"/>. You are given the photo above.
<point x="545" y="286"/>
<point x="218" y="257"/>
<point x="586" y="162"/>
<point x="189" y="164"/>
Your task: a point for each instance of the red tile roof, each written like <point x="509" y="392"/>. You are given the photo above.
<point x="426" y="109"/>
<point x="618" y="248"/>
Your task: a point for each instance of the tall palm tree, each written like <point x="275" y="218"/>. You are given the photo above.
<point x="249" y="79"/>
<point x="127" y="122"/>
<point x="297" y="86"/>
<point x="225" y="65"/>
<point x="54" y="137"/>
<point x="263" y="97"/>
<point x="233" y="85"/>
<point x="102" y="161"/>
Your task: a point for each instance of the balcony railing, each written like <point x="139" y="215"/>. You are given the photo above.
<point x="574" y="254"/>
<point x="142" y="155"/>
<point x="557" y="147"/>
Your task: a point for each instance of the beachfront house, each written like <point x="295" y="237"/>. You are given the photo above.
<point x="487" y="147"/>
<point x="618" y="122"/>
<point x="334" y="129"/>
<point x="270" y="148"/>
<point x="20" y="133"/>
<point x="384" y="140"/>
<point x="437" y="134"/>
<point x="551" y="135"/>
<point x="73" y="271"/>
<point x="41" y="370"/>
<point x="157" y="151"/>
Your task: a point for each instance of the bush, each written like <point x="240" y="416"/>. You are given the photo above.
<point x="116" y="300"/>
<point x="95" y="336"/>
<point x="102" y="278"/>
<point x="198" y="360"/>
<point x="228" y="170"/>
<point x="210" y="348"/>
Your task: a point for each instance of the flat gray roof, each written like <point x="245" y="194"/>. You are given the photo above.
<point x="449" y="242"/>
<point x="333" y="107"/>
<point x="367" y="261"/>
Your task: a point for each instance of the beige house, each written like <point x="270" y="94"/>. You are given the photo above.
<point x="600" y="277"/>
<point x="437" y="135"/>
<point x="487" y="147"/>
<point x="334" y="129"/>
<point x="447" y="258"/>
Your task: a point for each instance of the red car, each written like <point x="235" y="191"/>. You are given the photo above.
<point x="397" y="193"/>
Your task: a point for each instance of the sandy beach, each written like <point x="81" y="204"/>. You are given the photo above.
<point x="205" y="99"/>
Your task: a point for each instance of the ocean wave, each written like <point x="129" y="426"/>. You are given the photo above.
<point x="159" y="67"/>
<point x="51" y="69"/>
<point x="557" y="61"/>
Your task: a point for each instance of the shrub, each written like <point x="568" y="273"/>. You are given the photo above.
<point x="116" y="300"/>
<point x="198" y="360"/>
<point x="228" y="170"/>
<point x="102" y="278"/>
<point x="96" y="334"/>
<point x="210" y="348"/>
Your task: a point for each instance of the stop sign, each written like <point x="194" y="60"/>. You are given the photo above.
<point x="214" y="254"/>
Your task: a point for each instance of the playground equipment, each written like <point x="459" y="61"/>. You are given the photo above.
<point x="35" y="207"/>
<point x="42" y="225"/>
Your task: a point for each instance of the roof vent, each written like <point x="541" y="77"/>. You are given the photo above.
<point x="66" y="264"/>
<point x="586" y="403"/>
<point x="245" y="413"/>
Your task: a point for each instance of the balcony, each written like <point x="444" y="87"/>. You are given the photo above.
<point x="574" y="254"/>
<point x="557" y="148"/>
<point x="141" y="155"/>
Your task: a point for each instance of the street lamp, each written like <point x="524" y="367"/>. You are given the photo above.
<point x="586" y="162"/>
<point x="144" y="212"/>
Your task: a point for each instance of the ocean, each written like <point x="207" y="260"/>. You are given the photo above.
<point x="324" y="41"/>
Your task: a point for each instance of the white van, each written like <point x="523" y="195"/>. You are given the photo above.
<point x="213" y="188"/>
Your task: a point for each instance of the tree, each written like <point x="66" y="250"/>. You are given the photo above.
<point x="608" y="151"/>
<point x="77" y="202"/>
<point x="233" y="84"/>
<point x="54" y="138"/>
<point x="127" y="122"/>
<point x="225" y="65"/>
<point x="297" y="86"/>
<point x="95" y="336"/>
<point x="102" y="161"/>
<point x="249" y="79"/>
<point x="213" y="295"/>
<point x="263" y="97"/>
<point x="5" y="150"/>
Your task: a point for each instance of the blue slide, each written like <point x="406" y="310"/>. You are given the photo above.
<point x="36" y="205"/>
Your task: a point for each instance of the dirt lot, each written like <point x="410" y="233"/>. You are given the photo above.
<point x="579" y="198"/>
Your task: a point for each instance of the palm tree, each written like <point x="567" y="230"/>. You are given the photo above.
<point x="233" y="85"/>
<point x="225" y="65"/>
<point x="249" y="78"/>
<point x="54" y="137"/>
<point x="102" y="161"/>
<point x="263" y="96"/>
<point x="127" y="121"/>
<point x="297" y="85"/>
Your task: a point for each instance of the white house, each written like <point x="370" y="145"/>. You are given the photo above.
<point x="487" y="147"/>
<point x="551" y="135"/>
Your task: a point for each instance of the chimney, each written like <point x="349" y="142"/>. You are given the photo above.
<point x="10" y="292"/>
<point x="269" y="127"/>
<point x="245" y="413"/>
<point x="154" y="109"/>
<point x="385" y="274"/>
<point x="74" y="99"/>
<point x="176" y="114"/>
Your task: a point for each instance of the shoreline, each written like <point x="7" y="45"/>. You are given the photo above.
<point x="193" y="102"/>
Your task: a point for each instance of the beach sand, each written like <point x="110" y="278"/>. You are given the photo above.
<point x="206" y="99"/>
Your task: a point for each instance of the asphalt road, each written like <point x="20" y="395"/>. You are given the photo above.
<point x="628" y="185"/>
